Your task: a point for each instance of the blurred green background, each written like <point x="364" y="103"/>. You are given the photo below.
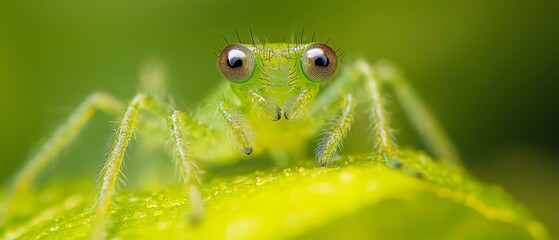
<point x="488" y="69"/>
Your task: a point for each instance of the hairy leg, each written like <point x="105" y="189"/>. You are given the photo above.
<point x="423" y="120"/>
<point x="335" y="132"/>
<point x="237" y="126"/>
<point x="382" y="131"/>
<point x="113" y="164"/>
<point x="186" y="166"/>
<point x="61" y="138"/>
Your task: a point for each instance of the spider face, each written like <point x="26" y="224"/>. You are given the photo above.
<point x="278" y="79"/>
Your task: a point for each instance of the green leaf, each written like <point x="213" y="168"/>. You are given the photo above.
<point x="357" y="198"/>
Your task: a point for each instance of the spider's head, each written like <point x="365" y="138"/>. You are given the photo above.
<point x="278" y="80"/>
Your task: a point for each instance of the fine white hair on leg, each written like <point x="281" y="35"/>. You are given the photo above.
<point x="111" y="170"/>
<point x="333" y="137"/>
<point x="382" y="131"/>
<point x="239" y="130"/>
<point x="188" y="170"/>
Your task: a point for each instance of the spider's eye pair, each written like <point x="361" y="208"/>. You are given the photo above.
<point x="319" y="62"/>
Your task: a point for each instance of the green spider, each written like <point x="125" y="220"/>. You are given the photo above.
<point x="276" y="97"/>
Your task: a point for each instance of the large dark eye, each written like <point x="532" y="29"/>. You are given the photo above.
<point x="236" y="63"/>
<point x="319" y="62"/>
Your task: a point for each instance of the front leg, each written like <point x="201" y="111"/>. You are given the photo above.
<point x="239" y="130"/>
<point x="335" y="132"/>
